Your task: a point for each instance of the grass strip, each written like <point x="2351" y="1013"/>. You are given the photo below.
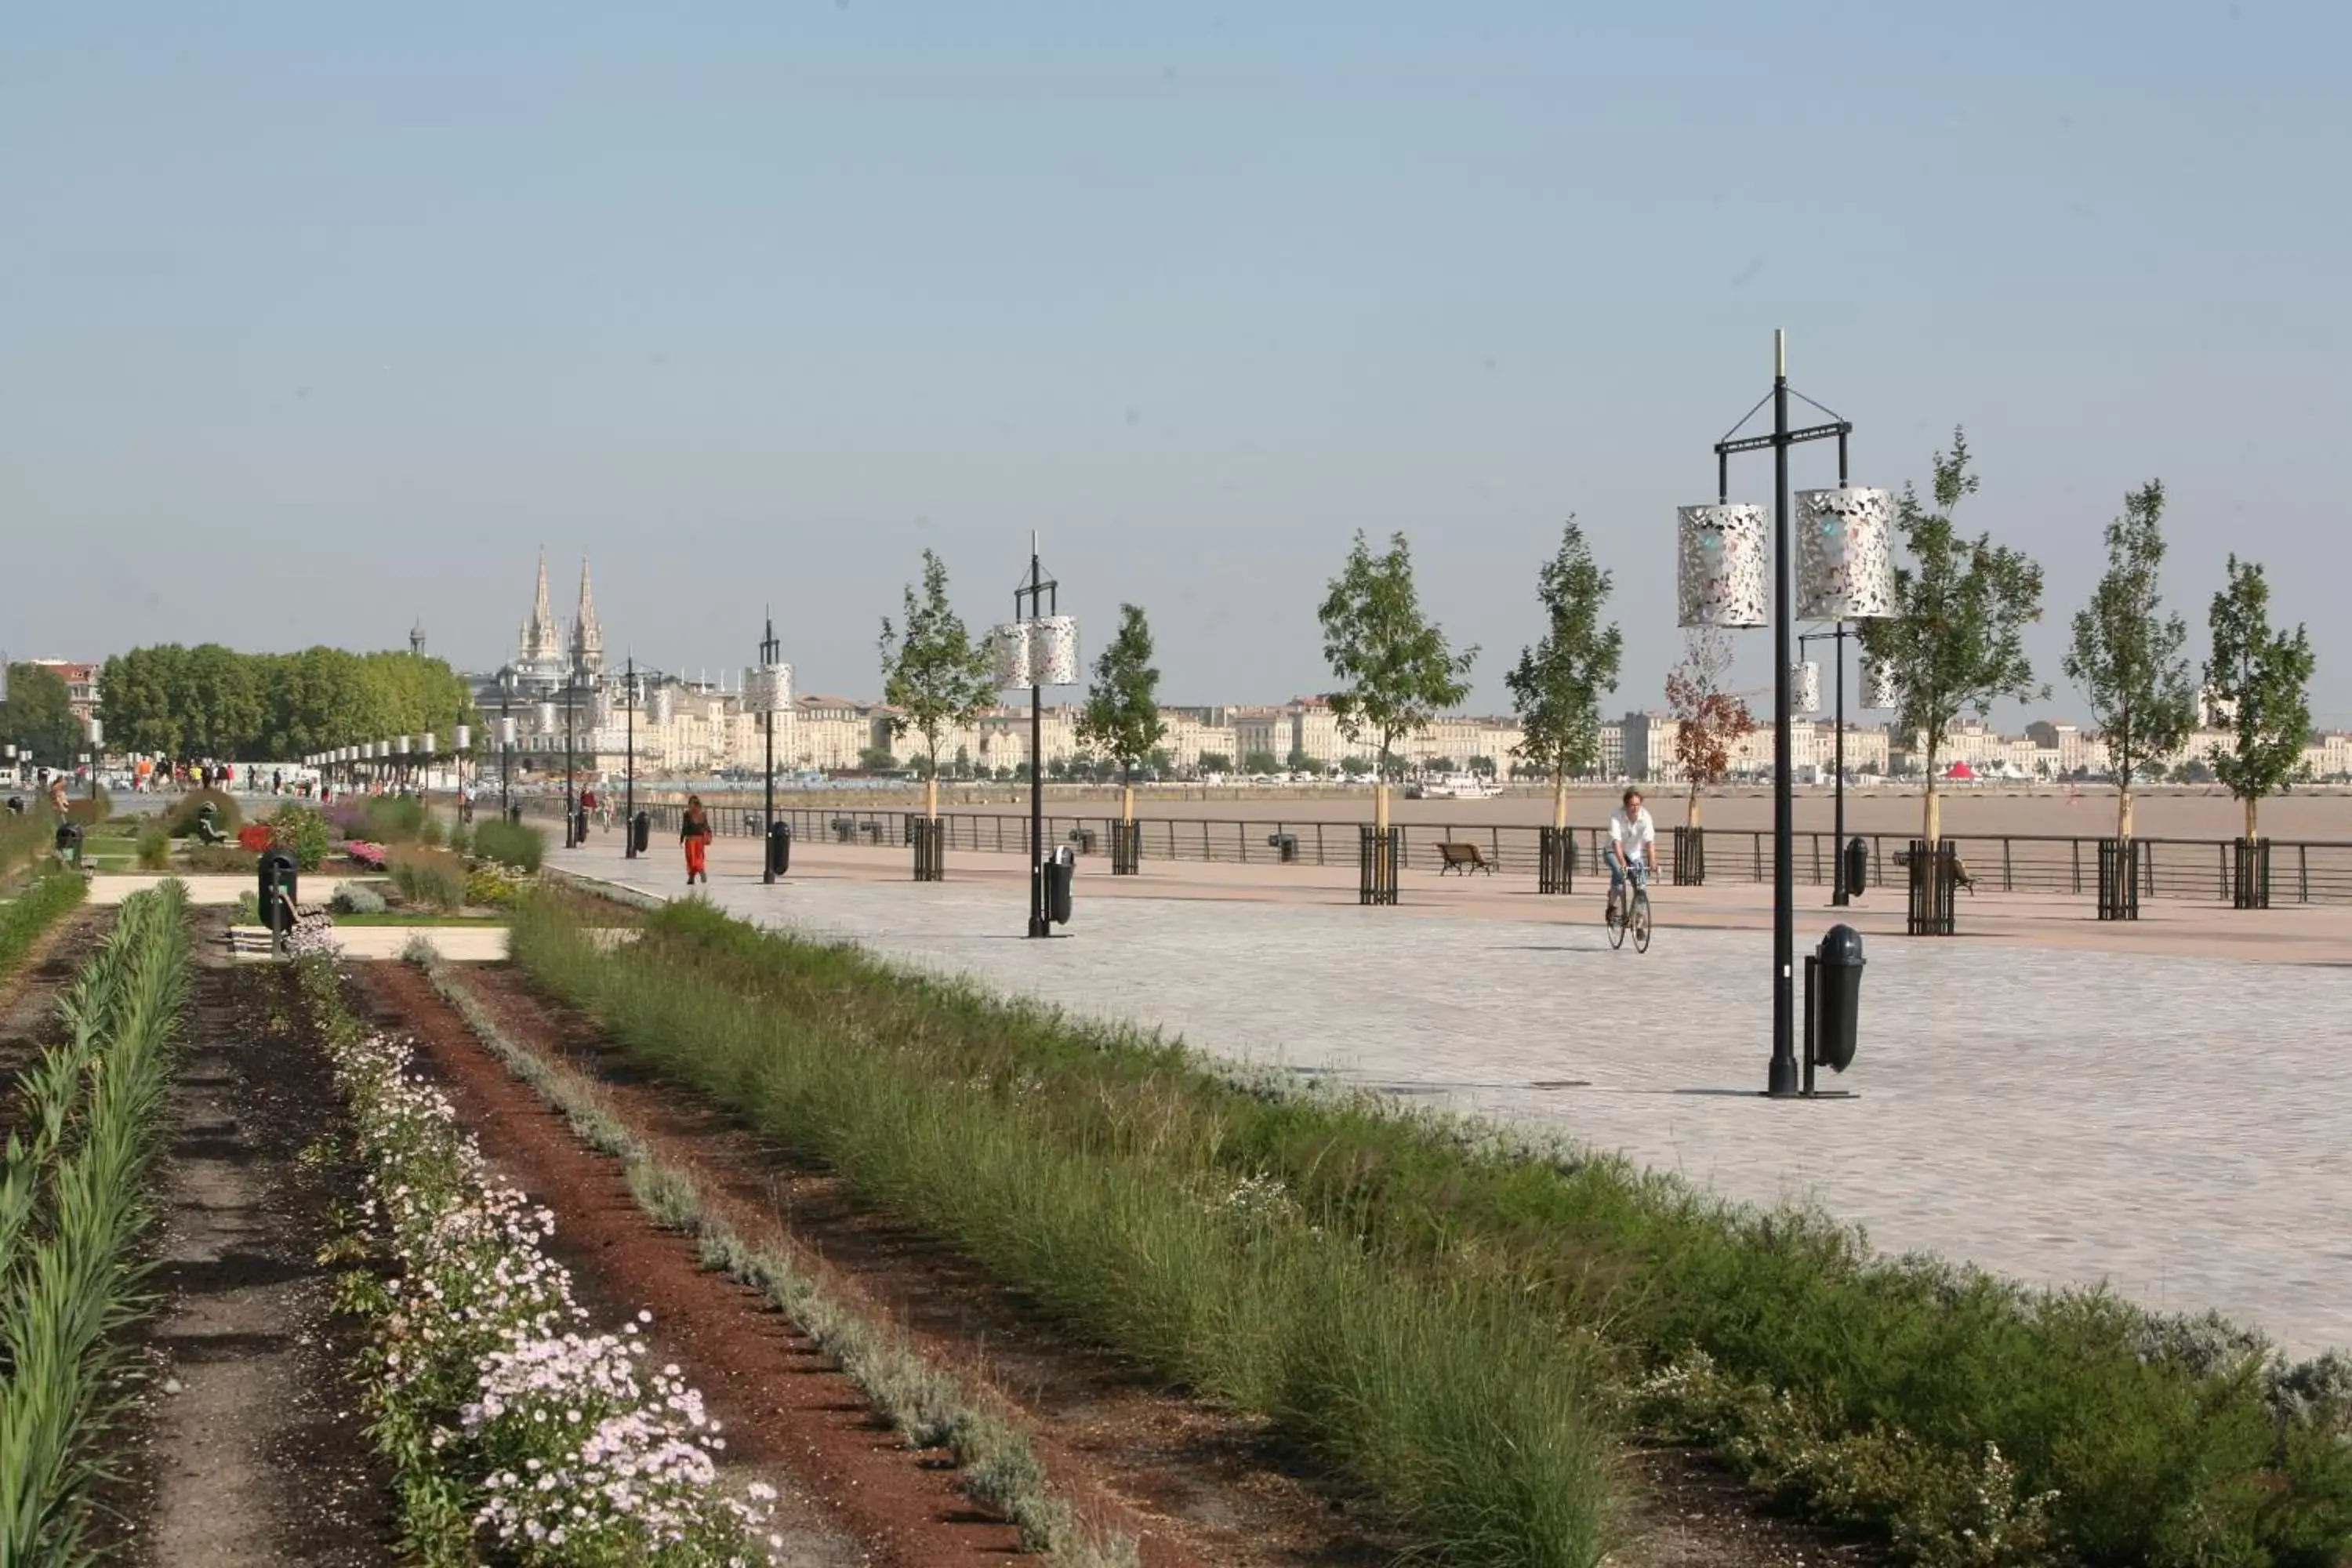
<point x="928" y="1404"/>
<point x="1958" y="1416"/>
<point x="515" y="1433"/>
<point x="44" y="902"/>
<point x="73" y="1204"/>
<point x="1478" y="1424"/>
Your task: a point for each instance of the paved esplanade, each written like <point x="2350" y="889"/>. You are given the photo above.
<point x="2176" y="1126"/>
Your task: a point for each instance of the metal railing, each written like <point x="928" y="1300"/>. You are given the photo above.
<point x="2302" y="871"/>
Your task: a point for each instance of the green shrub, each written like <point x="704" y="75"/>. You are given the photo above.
<point x="221" y="858"/>
<point x="179" y="821"/>
<point x="155" y="846"/>
<point x="515" y="843"/>
<point x="431" y="877"/>
<point x="393" y="819"/>
<point x="461" y="839"/>
<point x="302" y="833"/>
<point x="356" y="899"/>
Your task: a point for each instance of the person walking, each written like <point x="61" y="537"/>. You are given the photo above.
<point x="694" y="832"/>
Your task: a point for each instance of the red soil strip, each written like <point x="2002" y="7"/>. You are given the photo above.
<point x="781" y="1400"/>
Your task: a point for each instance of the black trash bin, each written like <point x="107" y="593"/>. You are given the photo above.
<point x="1857" y="866"/>
<point x="779" y="847"/>
<point x="1061" y="873"/>
<point x="278" y="890"/>
<point x="514" y="815"/>
<point x="69" y="844"/>
<point x="1837" y="999"/>
<point x="641" y="832"/>
<point x="15" y="806"/>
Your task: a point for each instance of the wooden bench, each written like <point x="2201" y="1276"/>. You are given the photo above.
<point x="1465" y="858"/>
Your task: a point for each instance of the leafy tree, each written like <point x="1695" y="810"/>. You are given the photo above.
<point x="1122" y="712"/>
<point x="1482" y="767"/>
<point x="1355" y="767"/>
<point x="1299" y="762"/>
<point x="934" y="676"/>
<point x="1442" y="765"/>
<point x="1161" y="763"/>
<point x="1558" y="684"/>
<point x="1216" y="762"/>
<point x="2262" y="679"/>
<point x="877" y="760"/>
<point x="1956" y="643"/>
<point x="39" y="719"/>
<point x="1396" y="668"/>
<point x="2126" y="654"/>
<point x="1261" y="763"/>
<point x="1708" y="720"/>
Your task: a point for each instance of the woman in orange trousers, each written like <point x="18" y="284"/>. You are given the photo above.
<point x="694" y="832"/>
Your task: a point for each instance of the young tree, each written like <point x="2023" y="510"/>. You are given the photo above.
<point x="1558" y="684"/>
<point x="1956" y="643"/>
<point x="1261" y="763"/>
<point x="2126" y="654"/>
<point x="1216" y="762"/>
<point x="1121" y="717"/>
<point x="1397" y="668"/>
<point x="1708" y="720"/>
<point x="934" y="676"/>
<point x="2261" y="678"/>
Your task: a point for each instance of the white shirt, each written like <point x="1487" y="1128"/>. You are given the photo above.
<point x="1632" y="835"/>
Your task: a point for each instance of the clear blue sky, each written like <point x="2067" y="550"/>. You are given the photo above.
<point x="316" y="317"/>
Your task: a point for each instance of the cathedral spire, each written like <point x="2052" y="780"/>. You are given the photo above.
<point x="587" y="636"/>
<point x="542" y="612"/>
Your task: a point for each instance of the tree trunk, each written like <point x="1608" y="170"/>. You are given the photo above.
<point x="1126" y="793"/>
<point x="1931" y="823"/>
<point x="1380" y="790"/>
<point x="1690" y="812"/>
<point x="2253" y="804"/>
<point x="932" y="790"/>
<point x="1559" y="797"/>
<point x="2124" y="813"/>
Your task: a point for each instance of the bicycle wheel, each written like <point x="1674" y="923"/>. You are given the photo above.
<point x="1608" y="917"/>
<point x="1641" y="922"/>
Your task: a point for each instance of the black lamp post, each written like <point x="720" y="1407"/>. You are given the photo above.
<point x="629" y="787"/>
<point x="1840" y="894"/>
<point x="771" y="651"/>
<point x="506" y="740"/>
<point x="1784" y="1079"/>
<point x="1035" y="599"/>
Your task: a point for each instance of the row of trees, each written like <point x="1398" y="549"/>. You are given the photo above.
<point x="39" y="719"/>
<point x="211" y="701"/>
<point x="1954" y="648"/>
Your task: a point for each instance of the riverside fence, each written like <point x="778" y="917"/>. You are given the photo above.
<point x="2315" y="871"/>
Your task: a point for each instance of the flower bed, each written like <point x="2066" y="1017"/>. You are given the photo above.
<point x="256" y="837"/>
<point x="504" y="1415"/>
<point x="362" y="853"/>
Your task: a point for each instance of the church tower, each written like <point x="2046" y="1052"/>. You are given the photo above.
<point x="587" y="636"/>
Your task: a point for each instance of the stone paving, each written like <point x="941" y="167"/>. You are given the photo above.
<point x="2175" y="1126"/>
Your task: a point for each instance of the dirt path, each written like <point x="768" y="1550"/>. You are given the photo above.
<point x="254" y="1449"/>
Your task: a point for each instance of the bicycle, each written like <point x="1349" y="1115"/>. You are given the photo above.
<point x="1637" y="919"/>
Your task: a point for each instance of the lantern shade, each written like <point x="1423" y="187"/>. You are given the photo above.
<point x="1722" y="566"/>
<point x="507" y="727"/>
<point x="429" y="749"/>
<point x="1009" y="645"/>
<point x="464" y="737"/>
<point x="1878" y="687"/>
<point x="1805" y="688"/>
<point x="400" y="745"/>
<point x="1053" y="650"/>
<point x="664" y="705"/>
<point x="1845" y="554"/>
<point x="546" y="718"/>
<point x="767" y="688"/>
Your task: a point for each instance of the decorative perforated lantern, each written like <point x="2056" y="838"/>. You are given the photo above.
<point x="1805" y="688"/>
<point x="1723" y="565"/>
<point x="465" y="738"/>
<point x="1010" y="645"/>
<point x="508" y="733"/>
<point x="1845" y="554"/>
<point x="429" y="749"/>
<point x="767" y="688"/>
<point x="546" y="718"/>
<point x="1878" y="687"/>
<point x="1053" y="650"/>
<point x="664" y="705"/>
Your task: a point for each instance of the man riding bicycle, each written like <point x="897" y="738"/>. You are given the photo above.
<point x="1632" y="840"/>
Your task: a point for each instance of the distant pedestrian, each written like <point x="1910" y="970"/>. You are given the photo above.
<point x="694" y="832"/>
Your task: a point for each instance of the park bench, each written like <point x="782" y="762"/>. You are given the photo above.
<point x="1465" y="858"/>
<point x="844" y="829"/>
<point x="1084" y="837"/>
<point x="873" y="831"/>
<point x="1284" y="845"/>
